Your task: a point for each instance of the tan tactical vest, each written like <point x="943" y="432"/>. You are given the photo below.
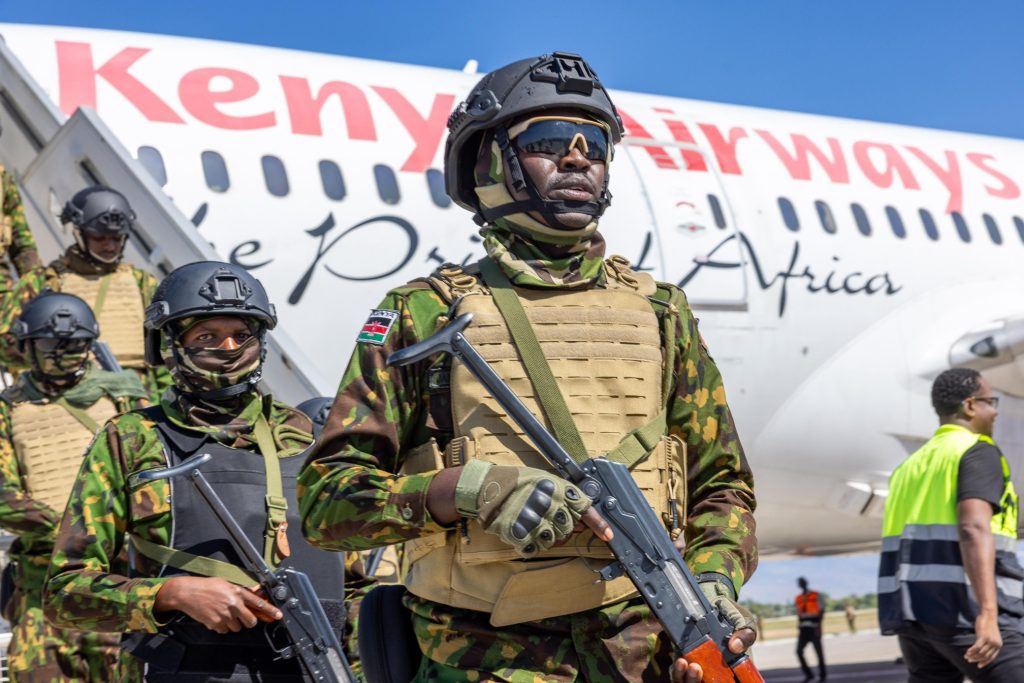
<point x="121" y="314"/>
<point x="50" y="443"/>
<point x="604" y="348"/>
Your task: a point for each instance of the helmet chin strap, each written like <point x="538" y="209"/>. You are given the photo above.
<point x="232" y="390"/>
<point x="83" y="244"/>
<point x="547" y="208"/>
<point x="66" y="379"/>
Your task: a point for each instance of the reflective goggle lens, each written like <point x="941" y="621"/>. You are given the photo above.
<point x="49" y="345"/>
<point x="558" y="136"/>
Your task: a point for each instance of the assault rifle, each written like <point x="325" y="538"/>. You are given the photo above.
<point x="105" y="357"/>
<point x="312" y="639"/>
<point x="642" y="547"/>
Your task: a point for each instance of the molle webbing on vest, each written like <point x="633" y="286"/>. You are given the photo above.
<point x="49" y="442"/>
<point x="117" y="302"/>
<point x="604" y="349"/>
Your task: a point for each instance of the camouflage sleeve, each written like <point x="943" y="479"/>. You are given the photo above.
<point x="31" y="519"/>
<point x="23" y="246"/>
<point x="87" y="585"/>
<point x="28" y="286"/>
<point x="147" y="284"/>
<point x="352" y="496"/>
<point x="720" y="488"/>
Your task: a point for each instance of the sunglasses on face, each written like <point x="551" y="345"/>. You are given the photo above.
<point x="49" y="346"/>
<point x="559" y="135"/>
<point x="991" y="400"/>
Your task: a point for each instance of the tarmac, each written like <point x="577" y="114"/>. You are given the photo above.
<point x="866" y="656"/>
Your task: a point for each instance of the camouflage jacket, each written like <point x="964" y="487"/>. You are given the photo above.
<point x="22" y="249"/>
<point x="88" y="583"/>
<point x="31" y="520"/>
<point x="352" y="496"/>
<point x="35" y="280"/>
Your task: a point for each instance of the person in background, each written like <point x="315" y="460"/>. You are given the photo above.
<point x="94" y="270"/>
<point x="949" y="581"/>
<point x="16" y="242"/>
<point x="47" y="418"/>
<point x="810" y="611"/>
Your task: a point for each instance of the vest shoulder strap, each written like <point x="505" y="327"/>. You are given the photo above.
<point x="452" y="281"/>
<point x="79" y="414"/>
<point x="620" y="274"/>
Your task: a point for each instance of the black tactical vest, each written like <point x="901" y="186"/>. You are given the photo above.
<point x="185" y="651"/>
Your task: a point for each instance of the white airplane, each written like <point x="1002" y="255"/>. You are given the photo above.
<point x="836" y="265"/>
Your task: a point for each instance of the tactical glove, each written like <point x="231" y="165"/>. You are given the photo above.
<point x="720" y="595"/>
<point x="527" y="508"/>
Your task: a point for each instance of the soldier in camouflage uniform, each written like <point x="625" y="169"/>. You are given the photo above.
<point x="501" y="550"/>
<point x="188" y="609"/>
<point x="46" y="420"/>
<point x="16" y="239"/>
<point x="93" y="269"/>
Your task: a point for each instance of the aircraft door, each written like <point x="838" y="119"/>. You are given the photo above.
<point x="696" y="239"/>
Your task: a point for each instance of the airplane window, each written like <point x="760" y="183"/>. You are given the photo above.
<point x="930" y="228"/>
<point x="716" y="211"/>
<point x="828" y="221"/>
<point x="861" y="217"/>
<point x="435" y="183"/>
<point x="1019" y="224"/>
<point x="215" y="171"/>
<point x="789" y="216"/>
<point x="896" y="221"/>
<point x="151" y="158"/>
<point x="961" y="226"/>
<point x="387" y="184"/>
<point x="330" y="177"/>
<point x="993" y="229"/>
<point x="275" y="176"/>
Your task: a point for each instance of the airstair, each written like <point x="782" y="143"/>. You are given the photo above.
<point x="53" y="156"/>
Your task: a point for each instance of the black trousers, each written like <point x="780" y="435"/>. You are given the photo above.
<point x="932" y="656"/>
<point x="810" y="635"/>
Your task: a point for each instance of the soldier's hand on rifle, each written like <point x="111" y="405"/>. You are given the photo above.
<point x="217" y="604"/>
<point x="528" y="508"/>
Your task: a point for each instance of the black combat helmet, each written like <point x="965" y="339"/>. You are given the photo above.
<point x="316" y="409"/>
<point x="552" y="81"/>
<point x="57" y="316"/>
<point x="99" y="210"/>
<point x="207" y="288"/>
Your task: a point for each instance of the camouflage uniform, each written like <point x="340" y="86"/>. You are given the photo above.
<point x="22" y="249"/>
<point x="39" y="278"/>
<point x="38" y="650"/>
<point x="88" y="585"/>
<point x="354" y="498"/>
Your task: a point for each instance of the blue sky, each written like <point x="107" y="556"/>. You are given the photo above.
<point x="939" y="63"/>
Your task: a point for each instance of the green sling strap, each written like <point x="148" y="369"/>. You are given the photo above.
<point x="194" y="564"/>
<point x="277" y="510"/>
<point x="277" y="504"/>
<point x="101" y="295"/>
<point x="633" y="448"/>
<point x="83" y="418"/>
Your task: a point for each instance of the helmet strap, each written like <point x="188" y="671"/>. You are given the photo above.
<point x="220" y="393"/>
<point x="549" y="209"/>
<point x="63" y="381"/>
<point x="83" y="245"/>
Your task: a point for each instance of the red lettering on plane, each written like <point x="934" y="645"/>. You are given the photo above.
<point x="634" y="129"/>
<point x="304" y="110"/>
<point x="893" y="165"/>
<point x="426" y="131"/>
<point x="724" y="148"/>
<point x="949" y="176"/>
<point x="798" y="161"/>
<point x="680" y="133"/>
<point x="201" y="101"/>
<point x="77" y="79"/>
<point x="1007" y="189"/>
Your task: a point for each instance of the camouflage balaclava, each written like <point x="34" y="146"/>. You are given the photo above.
<point x="58" y="369"/>
<point x="198" y="370"/>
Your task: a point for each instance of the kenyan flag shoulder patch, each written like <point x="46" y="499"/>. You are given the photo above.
<point x="377" y="327"/>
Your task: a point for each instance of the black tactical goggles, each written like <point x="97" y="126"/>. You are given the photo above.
<point x="558" y="135"/>
<point x="49" y="345"/>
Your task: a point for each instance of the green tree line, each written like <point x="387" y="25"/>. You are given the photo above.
<point x="767" y="610"/>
